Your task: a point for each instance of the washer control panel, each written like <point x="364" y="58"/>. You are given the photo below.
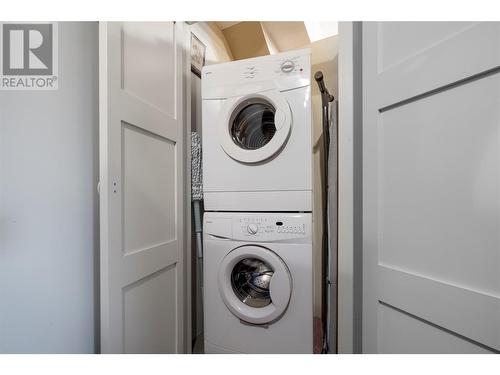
<point x="270" y="228"/>
<point x="252" y="228"/>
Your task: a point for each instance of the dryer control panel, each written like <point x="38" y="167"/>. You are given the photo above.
<point x="283" y="71"/>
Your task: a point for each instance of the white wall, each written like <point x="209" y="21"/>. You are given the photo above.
<point x="210" y="35"/>
<point x="49" y="206"/>
<point x="217" y="51"/>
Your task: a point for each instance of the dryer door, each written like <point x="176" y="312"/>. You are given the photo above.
<point x="255" y="127"/>
<point x="255" y="284"/>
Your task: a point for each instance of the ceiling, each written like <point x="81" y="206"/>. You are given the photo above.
<point x="225" y="24"/>
<point x="246" y="40"/>
<point x="286" y="36"/>
<point x="250" y="39"/>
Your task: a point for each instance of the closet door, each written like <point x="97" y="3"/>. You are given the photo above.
<point x="431" y="201"/>
<point x="141" y="187"/>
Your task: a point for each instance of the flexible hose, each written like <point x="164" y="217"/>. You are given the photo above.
<point x="326" y="98"/>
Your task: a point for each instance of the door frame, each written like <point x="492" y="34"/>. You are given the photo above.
<point x="350" y="189"/>
<point x="186" y="62"/>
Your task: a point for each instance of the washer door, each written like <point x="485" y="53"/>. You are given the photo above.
<point x="255" y="284"/>
<point x="255" y="127"/>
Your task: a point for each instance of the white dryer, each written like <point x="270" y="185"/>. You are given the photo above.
<point x="256" y="123"/>
<point x="258" y="283"/>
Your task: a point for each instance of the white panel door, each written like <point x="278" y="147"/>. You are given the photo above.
<point x="141" y="187"/>
<point x="431" y="187"/>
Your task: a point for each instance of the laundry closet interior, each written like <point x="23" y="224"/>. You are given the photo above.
<point x="180" y="201"/>
<point x="257" y="120"/>
<point x="250" y="187"/>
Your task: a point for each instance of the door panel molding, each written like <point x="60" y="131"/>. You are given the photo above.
<point x="397" y="325"/>
<point x="472" y="314"/>
<point x="142" y="288"/>
<point x="447" y="60"/>
<point x="430" y="186"/>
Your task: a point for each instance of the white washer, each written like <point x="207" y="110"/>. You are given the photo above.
<point x="257" y="148"/>
<point x="258" y="292"/>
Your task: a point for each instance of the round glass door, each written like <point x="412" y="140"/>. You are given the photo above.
<point x="255" y="128"/>
<point x="255" y="284"/>
<point x="252" y="123"/>
<point x="250" y="280"/>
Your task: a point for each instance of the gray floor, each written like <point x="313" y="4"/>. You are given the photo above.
<point x="198" y="345"/>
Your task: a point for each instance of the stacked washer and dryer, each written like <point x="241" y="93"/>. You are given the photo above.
<point x="257" y="184"/>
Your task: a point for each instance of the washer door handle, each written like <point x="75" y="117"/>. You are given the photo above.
<point x="279" y="118"/>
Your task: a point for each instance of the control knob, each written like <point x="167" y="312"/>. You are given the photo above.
<point x="287" y="66"/>
<point x="252" y="228"/>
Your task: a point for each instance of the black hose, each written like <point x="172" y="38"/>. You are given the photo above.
<point x="326" y="98"/>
